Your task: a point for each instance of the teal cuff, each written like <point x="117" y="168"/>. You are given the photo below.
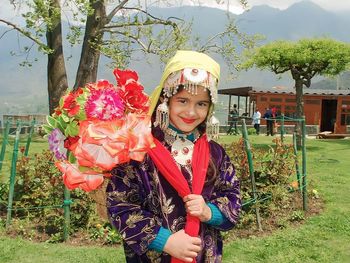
<point x="217" y="218"/>
<point x="159" y="242"/>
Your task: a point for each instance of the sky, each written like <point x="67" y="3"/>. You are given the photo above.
<point x="7" y="12"/>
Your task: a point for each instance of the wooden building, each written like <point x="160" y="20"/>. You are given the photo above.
<point x="25" y="119"/>
<point x="327" y="109"/>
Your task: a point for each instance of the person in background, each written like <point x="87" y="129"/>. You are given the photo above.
<point x="269" y="122"/>
<point x="233" y="118"/>
<point x="256" y="121"/>
<point x="174" y="203"/>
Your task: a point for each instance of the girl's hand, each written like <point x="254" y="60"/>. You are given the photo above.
<point x="196" y="206"/>
<point x="182" y="246"/>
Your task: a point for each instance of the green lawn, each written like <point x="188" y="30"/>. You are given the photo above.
<point x="37" y="144"/>
<point x="322" y="238"/>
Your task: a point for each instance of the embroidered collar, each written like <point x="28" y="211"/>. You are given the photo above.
<point x="176" y="133"/>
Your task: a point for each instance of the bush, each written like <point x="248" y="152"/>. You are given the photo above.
<point x="3" y="197"/>
<point x="251" y="131"/>
<point x="272" y="170"/>
<point x="106" y="234"/>
<point x="39" y="196"/>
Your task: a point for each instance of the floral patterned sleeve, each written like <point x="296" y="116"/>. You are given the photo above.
<point x="226" y="192"/>
<point x="125" y="196"/>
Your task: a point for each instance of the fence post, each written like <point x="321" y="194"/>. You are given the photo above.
<point x="29" y="137"/>
<point x="303" y="147"/>
<point x="296" y="160"/>
<point x="13" y="175"/>
<point x="66" y="208"/>
<point x="4" y="143"/>
<point x="282" y="127"/>
<point x="251" y="172"/>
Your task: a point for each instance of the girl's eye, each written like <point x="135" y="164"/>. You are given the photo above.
<point x="181" y="101"/>
<point x="203" y="104"/>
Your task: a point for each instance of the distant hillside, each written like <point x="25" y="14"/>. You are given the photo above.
<point x="341" y="82"/>
<point x="24" y="89"/>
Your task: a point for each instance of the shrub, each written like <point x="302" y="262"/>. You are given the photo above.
<point x="272" y="170"/>
<point x="106" y="234"/>
<point x="251" y="131"/>
<point x="3" y="197"/>
<point x="39" y="196"/>
<point x="297" y="216"/>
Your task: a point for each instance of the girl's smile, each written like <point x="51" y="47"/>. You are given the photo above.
<point x="189" y="121"/>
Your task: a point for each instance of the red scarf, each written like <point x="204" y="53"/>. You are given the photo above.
<point x="168" y="168"/>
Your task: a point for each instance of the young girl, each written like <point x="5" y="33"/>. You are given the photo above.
<point x="172" y="206"/>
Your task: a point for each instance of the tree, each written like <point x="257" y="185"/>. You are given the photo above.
<point x="304" y="59"/>
<point x="125" y="29"/>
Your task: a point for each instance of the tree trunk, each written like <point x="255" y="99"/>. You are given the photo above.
<point x="57" y="82"/>
<point x="299" y="108"/>
<point x="90" y="54"/>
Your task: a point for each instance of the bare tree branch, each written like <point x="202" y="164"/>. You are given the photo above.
<point x="146" y="23"/>
<point x="24" y="32"/>
<point x="137" y="40"/>
<point x="3" y="34"/>
<point x="115" y="10"/>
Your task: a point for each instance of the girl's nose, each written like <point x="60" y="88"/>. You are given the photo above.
<point x="191" y="111"/>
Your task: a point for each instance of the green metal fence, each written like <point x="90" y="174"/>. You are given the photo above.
<point x="301" y="178"/>
<point x="10" y="208"/>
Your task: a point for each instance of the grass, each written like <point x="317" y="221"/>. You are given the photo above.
<point x="18" y="250"/>
<point x="36" y="146"/>
<point x="323" y="238"/>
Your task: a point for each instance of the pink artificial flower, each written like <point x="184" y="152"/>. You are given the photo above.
<point x="104" y="104"/>
<point x="140" y="136"/>
<point x="124" y="76"/>
<point x="109" y="143"/>
<point x="101" y="144"/>
<point x="74" y="178"/>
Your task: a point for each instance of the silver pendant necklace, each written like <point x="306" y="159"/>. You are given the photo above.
<point x="182" y="151"/>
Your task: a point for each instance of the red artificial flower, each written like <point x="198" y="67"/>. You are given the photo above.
<point x="79" y="91"/>
<point x="58" y="112"/>
<point x="134" y="98"/>
<point x="71" y="142"/>
<point x="100" y="84"/>
<point x="70" y="103"/>
<point x="123" y="76"/>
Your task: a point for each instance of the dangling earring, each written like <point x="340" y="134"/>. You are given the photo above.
<point x="213" y="127"/>
<point x="162" y="115"/>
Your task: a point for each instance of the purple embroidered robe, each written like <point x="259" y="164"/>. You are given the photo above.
<point x="140" y="201"/>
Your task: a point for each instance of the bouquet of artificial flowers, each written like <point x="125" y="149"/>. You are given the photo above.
<point x="97" y="127"/>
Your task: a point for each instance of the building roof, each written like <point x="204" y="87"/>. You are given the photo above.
<point x="245" y="91"/>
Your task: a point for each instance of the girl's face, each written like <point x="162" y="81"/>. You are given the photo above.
<point x="187" y="111"/>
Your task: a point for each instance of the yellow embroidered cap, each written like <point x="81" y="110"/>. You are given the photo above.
<point x="188" y="63"/>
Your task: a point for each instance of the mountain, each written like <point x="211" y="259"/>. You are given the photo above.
<point x="303" y="19"/>
<point x="24" y="89"/>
